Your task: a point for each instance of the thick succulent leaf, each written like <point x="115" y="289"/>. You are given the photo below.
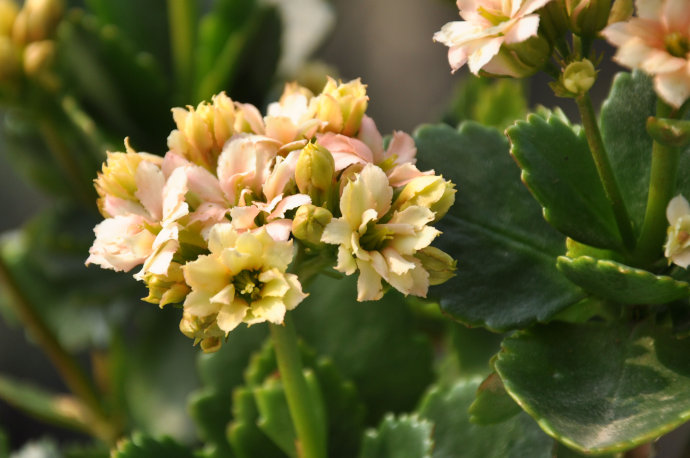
<point x="454" y="434"/>
<point x="221" y="372"/>
<point x="358" y="337"/>
<point x="62" y="410"/>
<point x="623" y="118"/>
<point x="407" y="436"/>
<point x="246" y="438"/>
<point x="599" y="388"/>
<point x="506" y="252"/>
<point x="620" y="283"/>
<point x="558" y="169"/>
<point x="142" y="446"/>
<point x="473" y="348"/>
<point x="493" y="403"/>
<point x="274" y="416"/>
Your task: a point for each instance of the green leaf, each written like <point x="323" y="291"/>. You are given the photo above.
<point x="493" y="403"/>
<point x="454" y="434"/>
<point x="623" y="128"/>
<point x="358" y="337"/>
<point x="143" y="446"/>
<point x="221" y="372"/>
<point x="599" y="388"/>
<point x="274" y="416"/>
<point x="248" y="441"/>
<point x="558" y="169"/>
<point x="62" y="410"/>
<point x="491" y="102"/>
<point x="506" y="275"/>
<point x="620" y="283"/>
<point x="407" y="436"/>
<point x="473" y="348"/>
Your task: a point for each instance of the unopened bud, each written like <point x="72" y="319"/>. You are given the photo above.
<point x="342" y="106"/>
<point x="553" y="20"/>
<point x="309" y="223"/>
<point x="578" y="77"/>
<point x="166" y="289"/>
<point x="622" y="10"/>
<point x="39" y="57"/>
<point x="669" y="132"/>
<point x="9" y="59"/>
<point x="8" y="13"/>
<point x="202" y="329"/>
<point x="588" y="17"/>
<point x="314" y="172"/>
<point x="36" y="21"/>
<point x="429" y="191"/>
<point x="440" y="265"/>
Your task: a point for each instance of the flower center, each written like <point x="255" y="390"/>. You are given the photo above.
<point x="247" y="285"/>
<point x="494" y="17"/>
<point x="677" y="44"/>
<point x="375" y="237"/>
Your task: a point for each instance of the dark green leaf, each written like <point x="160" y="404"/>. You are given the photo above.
<point x="358" y="337"/>
<point x="558" y="169"/>
<point x="493" y="403"/>
<point x="599" y="388"/>
<point x="623" y="118"/>
<point x="454" y="434"/>
<point x="473" y="348"/>
<point x="248" y="441"/>
<point x="404" y="437"/>
<point x="143" y="446"/>
<point x="274" y="416"/>
<point x="620" y="283"/>
<point x="506" y="275"/>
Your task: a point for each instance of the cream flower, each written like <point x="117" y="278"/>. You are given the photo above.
<point x="658" y="42"/>
<point x="488" y="25"/>
<point x="293" y="116"/>
<point x="378" y="244"/>
<point x="678" y="241"/>
<point x="242" y="280"/>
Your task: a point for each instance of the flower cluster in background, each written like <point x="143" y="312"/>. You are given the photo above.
<point x="213" y="223"/>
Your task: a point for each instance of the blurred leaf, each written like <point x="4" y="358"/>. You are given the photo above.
<point x="358" y="337"/>
<point x="248" y="441"/>
<point x="506" y="276"/>
<point x="473" y="348"/>
<point x="491" y="102"/>
<point x="119" y="85"/>
<point x="62" y="410"/>
<point x="274" y="415"/>
<point x="454" y="435"/>
<point x="41" y="448"/>
<point x="221" y="373"/>
<point x="404" y="437"/>
<point x="599" y="388"/>
<point x="143" y="446"/>
<point x="620" y="283"/>
<point x="145" y="23"/>
<point x="493" y="403"/>
<point x="558" y="169"/>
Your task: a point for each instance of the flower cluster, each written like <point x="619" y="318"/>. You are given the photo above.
<point x="213" y="223"/>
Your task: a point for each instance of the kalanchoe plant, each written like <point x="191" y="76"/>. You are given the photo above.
<point x="304" y="256"/>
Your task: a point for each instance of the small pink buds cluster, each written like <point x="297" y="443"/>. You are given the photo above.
<point x="213" y="223"/>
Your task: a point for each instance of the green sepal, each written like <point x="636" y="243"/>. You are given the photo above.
<point x="454" y="434"/>
<point x="406" y="436"/>
<point x="617" y="282"/>
<point x="558" y="169"/>
<point x="506" y="277"/>
<point x="599" y="388"/>
<point x="143" y="446"/>
<point x="493" y="403"/>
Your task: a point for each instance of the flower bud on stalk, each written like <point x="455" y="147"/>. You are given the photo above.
<point x="429" y="191"/>
<point x="519" y="60"/>
<point x="553" y="20"/>
<point x="342" y="106"/>
<point x="8" y="13"/>
<point x="309" y="223"/>
<point x="622" y="10"/>
<point x="440" y="265"/>
<point x="37" y="21"/>
<point x="166" y="289"/>
<point x="578" y="77"/>
<point x="588" y="17"/>
<point x="314" y="173"/>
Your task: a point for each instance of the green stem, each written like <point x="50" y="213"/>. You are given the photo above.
<point x="662" y="186"/>
<point x="608" y="179"/>
<point x="183" y="17"/>
<point x="73" y="376"/>
<point x="305" y="417"/>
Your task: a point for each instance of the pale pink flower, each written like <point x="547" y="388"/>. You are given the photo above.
<point x="657" y="41"/>
<point x="487" y="26"/>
